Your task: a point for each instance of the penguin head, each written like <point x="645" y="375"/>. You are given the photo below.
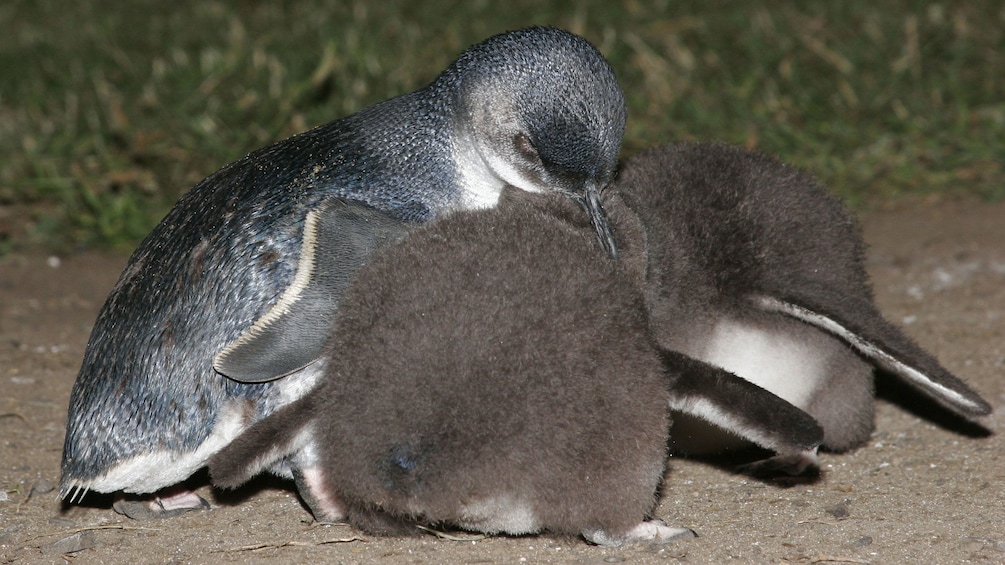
<point x="541" y="110"/>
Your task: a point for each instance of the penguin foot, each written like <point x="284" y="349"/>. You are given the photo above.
<point x="656" y="531"/>
<point x="791" y="464"/>
<point x="166" y="505"/>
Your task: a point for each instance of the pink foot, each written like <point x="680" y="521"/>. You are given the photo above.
<point x="655" y="531"/>
<point x="166" y="503"/>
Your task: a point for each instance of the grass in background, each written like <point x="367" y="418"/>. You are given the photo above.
<point x="109" y="111"/>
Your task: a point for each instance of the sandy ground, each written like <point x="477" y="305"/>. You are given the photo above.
<point x="927" y="488"/>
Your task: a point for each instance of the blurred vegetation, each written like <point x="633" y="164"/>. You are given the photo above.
<point x="109" y="111"/>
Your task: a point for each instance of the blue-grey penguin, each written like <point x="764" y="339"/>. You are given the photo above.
<point x="538" y="109"/>
<point x="754" y="267"/>
<point x="494" y="371"/>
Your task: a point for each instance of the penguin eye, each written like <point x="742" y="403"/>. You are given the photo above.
<point x="525" y="147"/>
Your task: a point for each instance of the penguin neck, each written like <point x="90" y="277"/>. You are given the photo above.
<point x="479" y="186"/>
<point x="478" y="183"/>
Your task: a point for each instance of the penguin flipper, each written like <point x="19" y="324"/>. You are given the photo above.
<point x="734" y="404"/>
<point x="888" y="347"/>
<point x="338" y="240"/>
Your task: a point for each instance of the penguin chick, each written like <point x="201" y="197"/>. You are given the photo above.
<point x="538" y="109"/>
<point x="463" y="388"/>
<point x="494" y="371"/>
<point x="754" y="267"/>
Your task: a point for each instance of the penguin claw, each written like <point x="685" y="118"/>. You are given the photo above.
<point x="160" y="507"/>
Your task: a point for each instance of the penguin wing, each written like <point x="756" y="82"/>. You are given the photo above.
<point x="739" y="406"/>
<point x="339" y="238"/>
<point x="872" y="336"/>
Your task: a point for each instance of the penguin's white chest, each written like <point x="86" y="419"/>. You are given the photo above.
<point x="779" y="357"/>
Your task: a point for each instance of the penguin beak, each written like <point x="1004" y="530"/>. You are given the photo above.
<point x="599" y="219"/>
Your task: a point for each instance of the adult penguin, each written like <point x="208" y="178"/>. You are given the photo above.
<point x="204" y="294"/>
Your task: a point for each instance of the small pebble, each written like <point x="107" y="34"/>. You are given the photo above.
<point x="839" y="510"/>
<point x="7" y="533"/>
<point x="42" y="486"/>
<point x="70" y="544"/>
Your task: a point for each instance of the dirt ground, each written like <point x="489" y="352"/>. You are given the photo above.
<point x="927" y="488"/>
